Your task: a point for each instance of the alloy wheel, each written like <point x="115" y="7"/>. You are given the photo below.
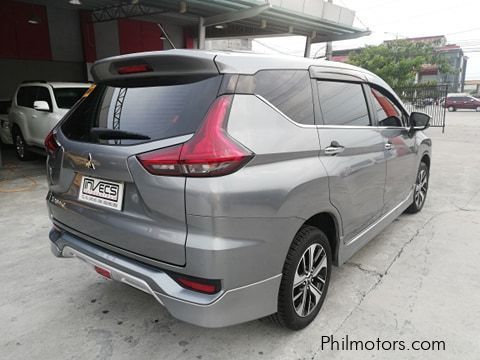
<point x="309" y="280"/>
<point x="20" y="146"/>
<point x="421" y="187"/>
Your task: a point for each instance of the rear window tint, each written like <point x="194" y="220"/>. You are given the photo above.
<point x="158" y="112"/>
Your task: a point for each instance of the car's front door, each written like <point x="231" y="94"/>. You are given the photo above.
<point x="400" y="151"/>
<point x="352" y="152"/>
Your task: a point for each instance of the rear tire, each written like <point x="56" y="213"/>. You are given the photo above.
<point x="451" y="108"/>
<point x="477" y="109"/>
<point x="304" y="282"/>
<point x="421" y="189"/>
<point x="21" y="148"/>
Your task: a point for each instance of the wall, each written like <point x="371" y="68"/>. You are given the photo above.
<point x="175" y="33"/>
<point x="106" y="39"/>
<point x="18" y="38"/>
<point x="50" y="50"/>
<point x="14" y="71"/>
<point x="65" y="34"/>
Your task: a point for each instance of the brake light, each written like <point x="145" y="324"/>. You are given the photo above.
<point x="51" y="143"/>
<point x="210" y="152"/>
<point x="133" y="69"/>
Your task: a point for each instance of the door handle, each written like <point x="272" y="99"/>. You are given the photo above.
<point x="388" y="146"/>
<point x="334" y="148"/>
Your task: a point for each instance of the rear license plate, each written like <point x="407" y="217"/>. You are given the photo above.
<point x="101" y="192"/>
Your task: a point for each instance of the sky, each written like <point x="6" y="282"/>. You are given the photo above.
<point x="459" y="20"/>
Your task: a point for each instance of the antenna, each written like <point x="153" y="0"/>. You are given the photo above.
<point x="166" y="36"/>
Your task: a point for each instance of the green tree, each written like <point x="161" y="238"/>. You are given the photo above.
<point x="398" y="61"/>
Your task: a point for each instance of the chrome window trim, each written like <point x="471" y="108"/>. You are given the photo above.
<point x="324" y="126"/>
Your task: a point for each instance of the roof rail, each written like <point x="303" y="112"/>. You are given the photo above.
<point x="34" y="81"/>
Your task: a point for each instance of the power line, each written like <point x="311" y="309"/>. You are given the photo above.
<point x="464" y="31"/>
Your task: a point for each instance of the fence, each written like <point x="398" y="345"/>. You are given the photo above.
<point x="427" y="99"/>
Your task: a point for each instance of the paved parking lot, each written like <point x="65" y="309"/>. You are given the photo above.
<point x="418" y="280"/>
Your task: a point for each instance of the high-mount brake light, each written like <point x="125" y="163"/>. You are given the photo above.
<point x="210" y="152"/>
<point x="133" y="69"/>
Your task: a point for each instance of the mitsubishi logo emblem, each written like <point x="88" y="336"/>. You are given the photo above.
<point x="90" y="164"/>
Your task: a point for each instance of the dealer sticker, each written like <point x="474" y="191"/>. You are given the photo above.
<point x="101" y="192"/>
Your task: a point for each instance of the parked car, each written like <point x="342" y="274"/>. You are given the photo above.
<point x="5" y="136"/>
<point x="227" y="185"/>
<point x="36" y="108"/>
<point x="461" y="101"/>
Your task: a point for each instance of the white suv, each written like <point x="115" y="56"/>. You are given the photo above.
<point x="36" y="108"/>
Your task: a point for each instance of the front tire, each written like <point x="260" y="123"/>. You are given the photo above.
<point x="477" y="109"/>
<point x="451" y="108"/>
<point x="305" y="280"/>
<point x="421" y="188"/>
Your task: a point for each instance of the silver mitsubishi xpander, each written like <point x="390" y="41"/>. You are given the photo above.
<point x="227" y="185"/>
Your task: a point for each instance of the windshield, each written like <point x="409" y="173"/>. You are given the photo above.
<point x="67" y="97"/>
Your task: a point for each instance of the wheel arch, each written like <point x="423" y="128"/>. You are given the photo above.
<point x="426" y="159"/>
<point x="330" y="225"/>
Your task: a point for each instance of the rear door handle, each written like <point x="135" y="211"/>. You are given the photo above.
<point x="388" y="146"/>
<point x="334" y="148"/>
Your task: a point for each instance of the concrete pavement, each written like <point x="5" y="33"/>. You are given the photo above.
<point x="418" y="280"/>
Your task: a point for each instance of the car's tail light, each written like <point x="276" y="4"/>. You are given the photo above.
<point x="196" y="284"/>
<point x="51" y="143"/>
<point x="210" y="152"/>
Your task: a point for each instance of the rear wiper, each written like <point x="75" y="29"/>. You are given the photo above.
<point x="111" y="134"/>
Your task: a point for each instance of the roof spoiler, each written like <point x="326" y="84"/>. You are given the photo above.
<point x="157" y="67"/>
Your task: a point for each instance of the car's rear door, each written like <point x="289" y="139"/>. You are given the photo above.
<point x="100" y="189"/>
<point x="352" y="152"/>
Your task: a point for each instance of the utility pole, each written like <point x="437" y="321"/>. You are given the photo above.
<point x="328" y="49"/>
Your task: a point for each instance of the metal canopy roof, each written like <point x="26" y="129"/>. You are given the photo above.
<point x="277" y="17"/>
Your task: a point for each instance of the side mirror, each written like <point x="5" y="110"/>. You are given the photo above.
<point x="419" y="121"/>
<point x="41" y="106"/>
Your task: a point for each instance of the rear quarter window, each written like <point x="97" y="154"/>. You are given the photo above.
<point x="290" y="91"/>
<point x="158" y="112"/>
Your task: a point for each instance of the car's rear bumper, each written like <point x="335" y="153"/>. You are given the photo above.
<point x="228" y="307"/>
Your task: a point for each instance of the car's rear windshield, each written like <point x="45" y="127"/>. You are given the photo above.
<point x="67" y="97"/>
<point x="155" y="112"/>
